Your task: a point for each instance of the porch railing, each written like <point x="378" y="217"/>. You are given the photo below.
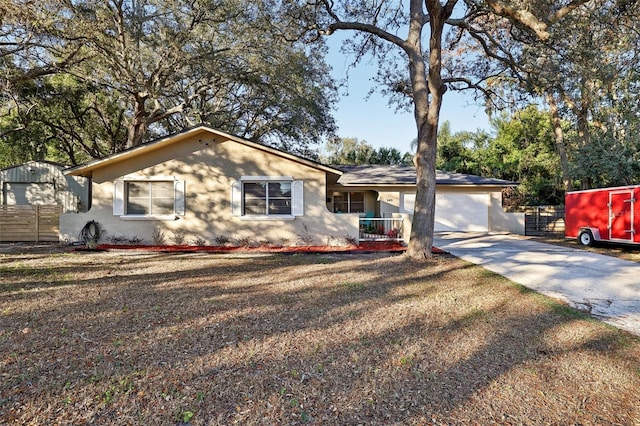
<point x="381" y="228"/>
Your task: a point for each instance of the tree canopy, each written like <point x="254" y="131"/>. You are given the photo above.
<point x="95" y="77"/>
<point x="354" y="151"/>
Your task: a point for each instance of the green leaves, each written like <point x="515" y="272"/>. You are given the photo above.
<point x="148" y="68"/>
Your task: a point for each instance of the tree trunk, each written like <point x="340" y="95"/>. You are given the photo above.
<point x="427" y="97"/>
<point x="558" y="134"/>
<point x="581" y="112"/>
<point x="139" y="123"/>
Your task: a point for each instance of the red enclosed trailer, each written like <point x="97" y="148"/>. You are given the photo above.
<point x="605" y="214"/>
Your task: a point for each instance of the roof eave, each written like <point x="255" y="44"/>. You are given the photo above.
<point x="86" y="170"/>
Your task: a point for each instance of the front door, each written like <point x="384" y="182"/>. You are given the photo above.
<point x="621" y="215"/>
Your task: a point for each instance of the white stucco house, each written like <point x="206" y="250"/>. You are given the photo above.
<point x="213" y="185"/>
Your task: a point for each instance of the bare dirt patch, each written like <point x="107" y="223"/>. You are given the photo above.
<point x="140" y="337"/>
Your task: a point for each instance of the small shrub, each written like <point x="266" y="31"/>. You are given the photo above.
<point x="117" y="239"/>
<point x="185" y="416"/>
<point x="178" y="237"/>
<point x="135" y="240"/>
<point x="305" y="237"/>
<point x="393" y="233"/>
<point x="158" y="237"/>
<point x="222" y="240"/>
<point x="198" y="241"/>
<point x="284" y="242"/>
<point x="351" y="240"/>
<point x="243" y="241"/>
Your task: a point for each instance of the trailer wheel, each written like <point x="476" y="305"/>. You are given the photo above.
<point x="586" y="238"/>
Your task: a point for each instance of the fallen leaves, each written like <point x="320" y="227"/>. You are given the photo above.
<point x="135" y="337"/>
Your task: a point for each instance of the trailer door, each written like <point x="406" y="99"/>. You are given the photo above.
<point x="621" y="206"/>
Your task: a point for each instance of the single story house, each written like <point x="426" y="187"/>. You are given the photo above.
<point x="213" y="187"/>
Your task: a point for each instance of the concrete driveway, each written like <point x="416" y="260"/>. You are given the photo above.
<point x="606" y="287"/>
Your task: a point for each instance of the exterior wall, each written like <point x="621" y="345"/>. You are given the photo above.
<point x="389" y="203"/>
<point x="209" y="168"/>
<point x="370" y="202"/>
<point x="502" y="221"/>
<point x="38" y="183"/>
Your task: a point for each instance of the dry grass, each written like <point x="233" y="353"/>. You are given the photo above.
<point x="150" y="338"/>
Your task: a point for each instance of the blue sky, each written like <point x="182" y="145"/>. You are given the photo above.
<point x="375" y="121"/>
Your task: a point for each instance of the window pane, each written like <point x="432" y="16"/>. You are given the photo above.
<point x="279" y="206"/>
<point x="340" y="204"/>
<point x="279" y="198"/>
<point x="357" y="202"/>
<point x="254" y="206"/>
<point x="255" y="198"/>
<point x="279" y="189"/>
<point x="162" y="199"/>
<point x="150" y="198"/>
<point x="253" y="190"/>
<point x="137" y="198"/>
<point x="348" y="202"/>
<point x="265" y="198"/>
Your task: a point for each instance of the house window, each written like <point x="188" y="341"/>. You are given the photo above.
<point x="348" y="202"/>
<point x="267" y="198"/>
<point x="151" y="198"/>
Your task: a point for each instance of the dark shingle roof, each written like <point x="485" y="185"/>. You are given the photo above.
<point x="406" y="175"/>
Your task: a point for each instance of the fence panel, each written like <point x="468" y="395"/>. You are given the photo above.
<point x="38" y="223"/>
<point x="544" y="221"/>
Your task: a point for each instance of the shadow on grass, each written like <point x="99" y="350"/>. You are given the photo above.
<point x="275" y="340"/>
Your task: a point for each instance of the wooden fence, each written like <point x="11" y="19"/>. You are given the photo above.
<point x="30" y="223"/>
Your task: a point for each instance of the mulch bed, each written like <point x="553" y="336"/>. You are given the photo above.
<point x="364" y="247"/>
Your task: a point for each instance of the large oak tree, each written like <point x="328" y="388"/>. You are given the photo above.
<point x="416" y="66"/>
<point x="163" y="65"/>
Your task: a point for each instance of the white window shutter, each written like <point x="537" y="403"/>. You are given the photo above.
<point x="118" y="198"/>
<point x="297" y="198"/>
<point x="236" y="198"/>
<point x="179" y="206"/>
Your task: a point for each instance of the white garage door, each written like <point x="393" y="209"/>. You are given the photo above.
<point x="462" y="212"/>
<point x="456" y="211"/>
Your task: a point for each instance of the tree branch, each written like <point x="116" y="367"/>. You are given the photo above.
<point x="524" y="17"/>
<point x="338" y="24"/>
<point x="565" y="10"/>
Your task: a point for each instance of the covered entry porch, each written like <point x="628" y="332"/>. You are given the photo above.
<point x="379" y="220"/>
<point x="384" y="197"/>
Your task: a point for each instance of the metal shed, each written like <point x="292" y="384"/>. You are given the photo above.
<point x="32" y="197"/>
<point x="43" y="183"/>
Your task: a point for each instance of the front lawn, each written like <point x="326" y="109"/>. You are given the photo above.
<point x="326" y="339"/>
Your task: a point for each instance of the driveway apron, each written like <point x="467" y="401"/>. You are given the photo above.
<point x="606" y="287"/>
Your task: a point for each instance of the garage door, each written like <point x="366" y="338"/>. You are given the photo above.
<point x="455" y="211"/>
<point x="462" y="212"/>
